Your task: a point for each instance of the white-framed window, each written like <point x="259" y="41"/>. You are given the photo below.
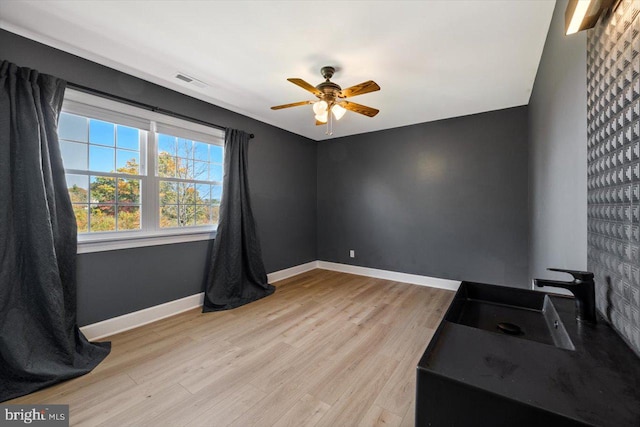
<point x="137" y="177"/>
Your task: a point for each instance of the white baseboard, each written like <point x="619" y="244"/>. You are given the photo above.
<point x="276" y="276"/>
<point x="139" y="318"/>
<point x="414" y="279"/>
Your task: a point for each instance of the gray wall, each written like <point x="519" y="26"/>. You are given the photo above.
<point x="112" y="283"/>
<point x="558" y="154"/>
<point x="282" y="178"/>
<point x="444" y="199"/>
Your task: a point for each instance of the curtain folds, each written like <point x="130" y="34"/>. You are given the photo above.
<point x="40" y="343"/>
<point x="236" y="275"/>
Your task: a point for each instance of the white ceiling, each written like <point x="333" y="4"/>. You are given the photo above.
<point x="432" y="59"/>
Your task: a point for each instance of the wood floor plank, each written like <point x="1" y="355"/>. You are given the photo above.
<point x="209" y="409"/>
<point x="354" y="403"/>
<point x="125" y="357"/>
<point x="237" y="369"/>
<point x="269" y="410"/>
<point x="229" y="409"/>
<point x="184" y="323"/>
<point x="181" y="363"/>
<point x="326" y="349"/>
<point x="380" y="417"/>
<point x="398" y="393"/>
<point x="142" y="413"/>
<point x="331" y="384"/>
<point x="112" y="405"/>
<point x="305" y="413"/>
<point x="410" y="416"/>
<point x="303" y="362"/>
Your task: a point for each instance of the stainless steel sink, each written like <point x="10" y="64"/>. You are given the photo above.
<point x="520" y="313"/>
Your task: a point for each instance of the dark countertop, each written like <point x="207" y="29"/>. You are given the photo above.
<point x="597" y="384"/>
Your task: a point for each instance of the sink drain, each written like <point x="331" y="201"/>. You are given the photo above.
<point x="509" y="328"/>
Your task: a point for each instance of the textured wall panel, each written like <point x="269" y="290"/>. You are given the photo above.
<point x="613" y="82"/>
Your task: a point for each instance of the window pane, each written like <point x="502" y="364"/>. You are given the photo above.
<point x="216" y="153"/>
<point x="185" y="148"/>
<point x="166" y="144"/>
<point x="102" y="218"/>
<point x="166" y="165"/>
<point x="81" y="211"/>
<point x="73" y="128"/>
<point x="201" y="151"/>
<point x="215" y="173"/>
<point x="186" y="194"/>
<point x="186" y="215"/>
<point x="216" y="193"/>
<point x="101" y="159"/>
<point x="200" y="170"/>
<point x="128" y="191"/>
<point x="78" y="187"/>
<point x="190" y="169"/>
<point x="184" y="168"/>
<point x="128" y="162"/>
<point x="103" y="189"/>
<point x="185" y="204"/>
<point x="74" y="155"/>
<point x="203" y="194"/>
<point x="128" y="138"/>
<point x="169" y="216"/>
<point x="128" y="217"/>
<point x="203" y="215"/>
<point x="168" y="193"/>
<point x="101" y="132"/>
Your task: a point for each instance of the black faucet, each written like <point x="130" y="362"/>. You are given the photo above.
<point x="583" y="288"/>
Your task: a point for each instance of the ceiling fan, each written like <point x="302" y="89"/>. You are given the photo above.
<point x="331" y="98"/>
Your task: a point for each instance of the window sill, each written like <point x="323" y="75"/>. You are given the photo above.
<point x="120" y="242"/>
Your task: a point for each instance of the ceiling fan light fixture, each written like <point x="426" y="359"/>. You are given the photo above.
<point x="322" y="118"/>
<point x="338" y="111"/>
<point x="320" y="108"/>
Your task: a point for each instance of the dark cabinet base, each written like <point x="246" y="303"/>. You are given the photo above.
<point x="442" y="402"/>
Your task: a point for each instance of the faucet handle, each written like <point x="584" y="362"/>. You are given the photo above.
<point x="583" y="276"/>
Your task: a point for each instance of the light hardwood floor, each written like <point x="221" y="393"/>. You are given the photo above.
<point x="327" y="349"/>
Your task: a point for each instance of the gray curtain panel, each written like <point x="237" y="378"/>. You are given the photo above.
<point x="236" y="275"/>
<point x="40" y="343"/>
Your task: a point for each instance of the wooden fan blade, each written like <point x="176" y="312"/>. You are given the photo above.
<point x="357" y="108"/>
<point x="295" y="104"/>
<point x="306" y="86"/>
<point x="362" y="88"/>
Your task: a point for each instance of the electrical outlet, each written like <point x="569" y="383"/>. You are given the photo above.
<point x="352" y="253"/>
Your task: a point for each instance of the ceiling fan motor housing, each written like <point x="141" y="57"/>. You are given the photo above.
<point x="329" y="89"/>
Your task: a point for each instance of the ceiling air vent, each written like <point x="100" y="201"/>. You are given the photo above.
<point x="190" y="80"/>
